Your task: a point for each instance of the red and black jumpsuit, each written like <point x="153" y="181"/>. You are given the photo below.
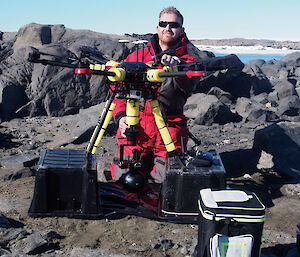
<point x="172" y="96"/>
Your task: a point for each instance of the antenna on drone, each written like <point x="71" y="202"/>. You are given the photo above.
<point x="124" y="41"/>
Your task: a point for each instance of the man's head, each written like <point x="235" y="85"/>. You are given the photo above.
<point x="170" y="28"/>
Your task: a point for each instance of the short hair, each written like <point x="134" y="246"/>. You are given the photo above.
<point x="172" y="9"/>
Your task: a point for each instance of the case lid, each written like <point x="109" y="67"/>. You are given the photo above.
<point x="238" y="204"/>
<point x="63" y="158"/>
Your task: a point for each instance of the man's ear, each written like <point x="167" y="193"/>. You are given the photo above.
<point x="182" y="31"/>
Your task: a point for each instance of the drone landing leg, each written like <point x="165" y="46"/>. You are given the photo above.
<point x="102" y="125"/>
<point x="162" y="127"/>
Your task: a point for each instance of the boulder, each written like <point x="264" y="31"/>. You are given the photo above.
<point x="289" y="106"/>
<point x="282" y="141"/>
<point x="249" y="83"/>
<point x="4" y="222"/>
<point x="223" y="96"/>
<point x="284" y="89"/>
<point x="297" y="72"/>
<point x="291" y="60"/>
<point x="251" y="110"/>
<point x="33" y="35"/>
<point x="261" y="98"/>
<point x="27" y="89"/>
<point x="271" y="69"/>
<point x="207" y="109"/>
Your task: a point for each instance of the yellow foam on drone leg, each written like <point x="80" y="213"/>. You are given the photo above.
<point x="163" y="129"/>
<point x="104" y="126"/>
<point x="95" y="130"/>
<point x="132" y="112"/>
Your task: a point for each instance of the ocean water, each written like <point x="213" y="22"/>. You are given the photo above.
<point x="248" y="57"/>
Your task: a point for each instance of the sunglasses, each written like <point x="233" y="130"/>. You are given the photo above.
<point x="172" y="24"/>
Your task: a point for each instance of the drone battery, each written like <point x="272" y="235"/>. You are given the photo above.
<point x="65" y="185"/>
<point x="181" y="187"/>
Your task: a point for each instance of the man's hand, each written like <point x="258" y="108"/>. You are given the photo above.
<point x="169" y="60"/>
<point x="123" y="126"/>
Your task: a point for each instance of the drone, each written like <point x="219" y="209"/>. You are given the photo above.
<point x="131" y="81"/>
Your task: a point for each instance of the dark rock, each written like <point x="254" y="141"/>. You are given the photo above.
<point x="223" y="96"/>
<point x="207" y="109"/>
<point x="197" y="53"/>
<point x="166" y="243"/>
<point x="34" y="244"/>
<point x="282" y="141"/>
<point x="262" y="115"/>
<point x="84" y="123"/>
<point x="33" y="35"/>
<point x="12" y="234"/>
<point x="273" y="99"/>
<point x="5" y="50"/>
<point x="19" y="161"/>
<point x="22" y="173"/>
<point x="51" y="235"/>
<point x="245" y="105"/>
<point x="4" y="252"/>
<point x="297" y="72"/>
<point x="239" y="162"/>
<point x="42" y="90"/>
<point x="261" y="98"/>
<point x="251" y="110"/>
<point x="4" y="222"/>
<point x="227" y="80"/>
<point x="289" y="106"/>
<point x="271" y="69"/>
<point x="284" y="89"/>
<point x="292" y="59"/>
<point x="248" y="85"/>
<point x="255" y="63"/>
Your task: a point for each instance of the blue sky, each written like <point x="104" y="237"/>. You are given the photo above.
<point x="259" y="19"/>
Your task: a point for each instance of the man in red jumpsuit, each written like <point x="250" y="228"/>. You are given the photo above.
<point x="172" y="96"/>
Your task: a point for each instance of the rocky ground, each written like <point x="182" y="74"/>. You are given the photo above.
<point x="260" y="94"/>
<point x="21" y="235"/>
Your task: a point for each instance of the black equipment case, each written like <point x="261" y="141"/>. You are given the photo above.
<point x="65" y="185"/>
<point x="180" y="189"/>
<point x="230" y="224"/>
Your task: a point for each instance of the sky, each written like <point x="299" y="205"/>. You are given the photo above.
<point x="210" y="19"/>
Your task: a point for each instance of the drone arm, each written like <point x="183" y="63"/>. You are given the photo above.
<point x="54" y="63"/>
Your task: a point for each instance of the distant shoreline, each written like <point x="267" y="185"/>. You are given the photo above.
<point x="237" y="42"/>
<point x="241" y="42"/>
<point x="256" y="49"/>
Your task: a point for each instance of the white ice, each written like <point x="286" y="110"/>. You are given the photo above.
<point x="257" y="49"/>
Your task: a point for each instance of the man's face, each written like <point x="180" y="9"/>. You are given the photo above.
<point x="169" y="36"/>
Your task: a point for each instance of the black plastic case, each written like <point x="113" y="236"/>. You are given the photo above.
<point x="180" y="190"/>
<point x="65" y="185"/>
